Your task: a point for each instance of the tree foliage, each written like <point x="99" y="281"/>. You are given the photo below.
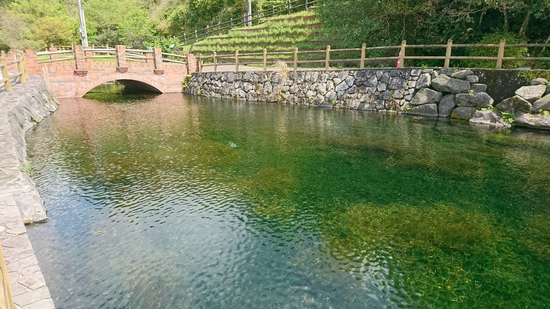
<point x="432" y="21"/>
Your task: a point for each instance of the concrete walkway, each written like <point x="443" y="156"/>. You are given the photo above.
<point x="17" y="189"/>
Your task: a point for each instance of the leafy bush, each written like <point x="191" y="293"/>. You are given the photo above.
<point x="494" y="38"/>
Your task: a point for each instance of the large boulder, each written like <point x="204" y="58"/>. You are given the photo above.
<point x="479" y="99"/>
<point x="490" y="118"/>
<point x="427" y="110"/>
<point x="446" y="105"/>
<point x="443" y="83"/>
<point x="531" y="93"/>
<point x="425" y="80"/>
<point x="514" y="105"/>
<point x="542" y="104"/>
<point x="426" y="96"/>
<point x="462" y="74"/>
<point x="533" y="121"/>
<point x="464" y="113"/>
<point x="538" y="81"/>
<point x="479" y="88"/>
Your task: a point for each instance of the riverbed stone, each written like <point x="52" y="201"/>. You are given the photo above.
<point x="531" y="93"/>
<point x="464" y="113"/>
<point x="479" y="99"/>
<point x="443" y="83"/>
<point x="427" y="110"/>
<point x="446" y="105"/>
<point x="492" y="118"/>
<point x="543" y="104"/>
<point x="514" y="105"/>
<point x="426" y="96"/>
<point x="536" y="121"/>
<point x="462" y="74"/>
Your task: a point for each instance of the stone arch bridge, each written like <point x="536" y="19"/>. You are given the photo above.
<point x="73" y="73"/>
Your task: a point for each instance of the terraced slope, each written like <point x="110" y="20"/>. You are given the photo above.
<point x="277" y="33"/>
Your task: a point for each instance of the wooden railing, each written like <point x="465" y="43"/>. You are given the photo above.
<point x="8" y="72"/>
<point x="6" y="297"/>
<point x="360" y="56"/>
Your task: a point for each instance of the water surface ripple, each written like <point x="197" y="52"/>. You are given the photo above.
<point x="181" y="202"/>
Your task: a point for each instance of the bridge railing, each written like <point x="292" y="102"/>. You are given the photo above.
<point x="12" y="66"/>
<point x="401" y="55"/>
<point x="108" y="54"/>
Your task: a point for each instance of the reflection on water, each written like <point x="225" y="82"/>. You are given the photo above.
<point x="181" y="202"/>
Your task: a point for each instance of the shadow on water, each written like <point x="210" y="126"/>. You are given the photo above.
<point x="115" y="92"/>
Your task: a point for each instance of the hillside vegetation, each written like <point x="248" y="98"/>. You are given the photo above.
<point x="285" y="32"/>
<point x="141" y="23"/>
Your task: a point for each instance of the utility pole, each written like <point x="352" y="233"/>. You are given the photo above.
<point x="249" y="14"/>
<point x="83" y="34"/>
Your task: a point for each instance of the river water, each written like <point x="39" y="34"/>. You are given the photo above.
<point x="173" y="201"/>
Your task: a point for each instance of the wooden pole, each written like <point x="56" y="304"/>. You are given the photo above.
<point x="448" y="53"/>
<point x="265" y="60"/>
<point x="402" y="53"/>
<point x="236" y="61"/>
<point x="327" y="58"/>
<point x="5" y="71"/>
<point x="500" y="53"/>
<point x="295" y="60"/>
<point x="363" y="55"/>
<point x="200" y="63"/>
<point x="22" y="68"/>
<point x="215" y="59"/>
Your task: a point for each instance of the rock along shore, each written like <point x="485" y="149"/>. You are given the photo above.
<point x="20" y="202"/>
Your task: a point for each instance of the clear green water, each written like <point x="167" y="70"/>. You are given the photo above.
<point x="180" y="202"/>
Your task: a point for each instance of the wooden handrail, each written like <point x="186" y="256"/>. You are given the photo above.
<point x="331" y="55"/>
<point x="6" y="76"/>
<point x="6" y="297"/>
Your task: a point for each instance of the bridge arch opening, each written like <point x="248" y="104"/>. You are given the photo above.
<point x="121" y="86"/>
<point x="121" y="90"/>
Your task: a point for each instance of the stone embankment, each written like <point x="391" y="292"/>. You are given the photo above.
<point x="444" y="92"/>
<point x="20" y="202"/>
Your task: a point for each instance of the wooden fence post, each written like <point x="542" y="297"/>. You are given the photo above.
<point x="500" y="53"/>
<point x="258" y="16"/>
<point x="289" y="6"/>
<point x="265" y="60"/>
<point x="307" y="6"/>
<point x="295" y="60"/>
<point x="448" y="53"/>
<point x="327" y="58"/>
<point x="231" y="23"/>
<point x="215" y="59"/>
<point x="402" y="54"/>
<point x="219" y="28"/>
<point x="22" y="68"/>
<point x="236" y="61"/>
<point x="273" y="10"/>
<point x="363" y="55"/>
<point x="196" y="36"/>
<point x="5" y="72"/>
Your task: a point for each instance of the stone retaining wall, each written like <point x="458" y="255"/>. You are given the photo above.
<point x="380" y="90"/>
<point x="444" y="92"/>
<point x="20" y="202"/>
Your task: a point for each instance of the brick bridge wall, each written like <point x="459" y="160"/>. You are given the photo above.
<point x="75" y="78"/>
